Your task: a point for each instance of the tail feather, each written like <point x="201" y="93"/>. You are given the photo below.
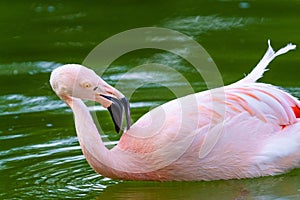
<point x="261" y="67"/>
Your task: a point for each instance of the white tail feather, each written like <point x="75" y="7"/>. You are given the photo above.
<point x="261" y="67"/>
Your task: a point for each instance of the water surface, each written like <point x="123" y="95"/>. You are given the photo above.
<point x="39" y="153"/>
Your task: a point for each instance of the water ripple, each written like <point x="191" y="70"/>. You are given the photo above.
<point x="197" y="25"/>
<point x="54" y="168"/>
<point x="18" y="103"/>
<point x="30" y="68"/>
<point x="294" y="91"/>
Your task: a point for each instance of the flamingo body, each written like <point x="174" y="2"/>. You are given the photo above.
<point x="243" y="130"/>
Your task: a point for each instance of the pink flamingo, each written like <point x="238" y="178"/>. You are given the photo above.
<point x="243" y="130"/>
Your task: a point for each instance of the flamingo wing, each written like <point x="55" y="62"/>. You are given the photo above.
<point x="263" y="101"/>
<point x="266" y="102"/>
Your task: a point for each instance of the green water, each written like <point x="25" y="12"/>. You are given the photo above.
<point x="39" y="153"/>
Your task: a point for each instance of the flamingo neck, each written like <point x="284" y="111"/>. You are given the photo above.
<point x="114" y="163"/>
<point x="93" y="148"/>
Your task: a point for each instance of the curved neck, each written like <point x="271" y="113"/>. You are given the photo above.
<point x="116" y="163"/>
<point x="97" y="155"/>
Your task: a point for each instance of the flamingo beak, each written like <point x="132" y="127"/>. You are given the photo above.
<point x="117" y="104"/>
<point x="116" y="110"/>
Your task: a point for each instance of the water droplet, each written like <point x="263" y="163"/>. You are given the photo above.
<point x="51" y="9"/>
<point x="244" y="5"/>
<point x="49" y="125"/>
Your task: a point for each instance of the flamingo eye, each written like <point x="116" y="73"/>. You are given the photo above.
<point x="86" y="85"/>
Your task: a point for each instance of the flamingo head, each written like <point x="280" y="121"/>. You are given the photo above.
<point x="73" y="80"/>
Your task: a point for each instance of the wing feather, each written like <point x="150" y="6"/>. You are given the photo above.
<point x="261" y="67"/>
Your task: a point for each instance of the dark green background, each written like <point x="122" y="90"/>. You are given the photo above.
<point x="39" y="153"/>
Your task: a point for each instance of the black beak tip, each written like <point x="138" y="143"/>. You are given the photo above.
<point x="116" y="110"/>
<point x="115" y="119"/>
